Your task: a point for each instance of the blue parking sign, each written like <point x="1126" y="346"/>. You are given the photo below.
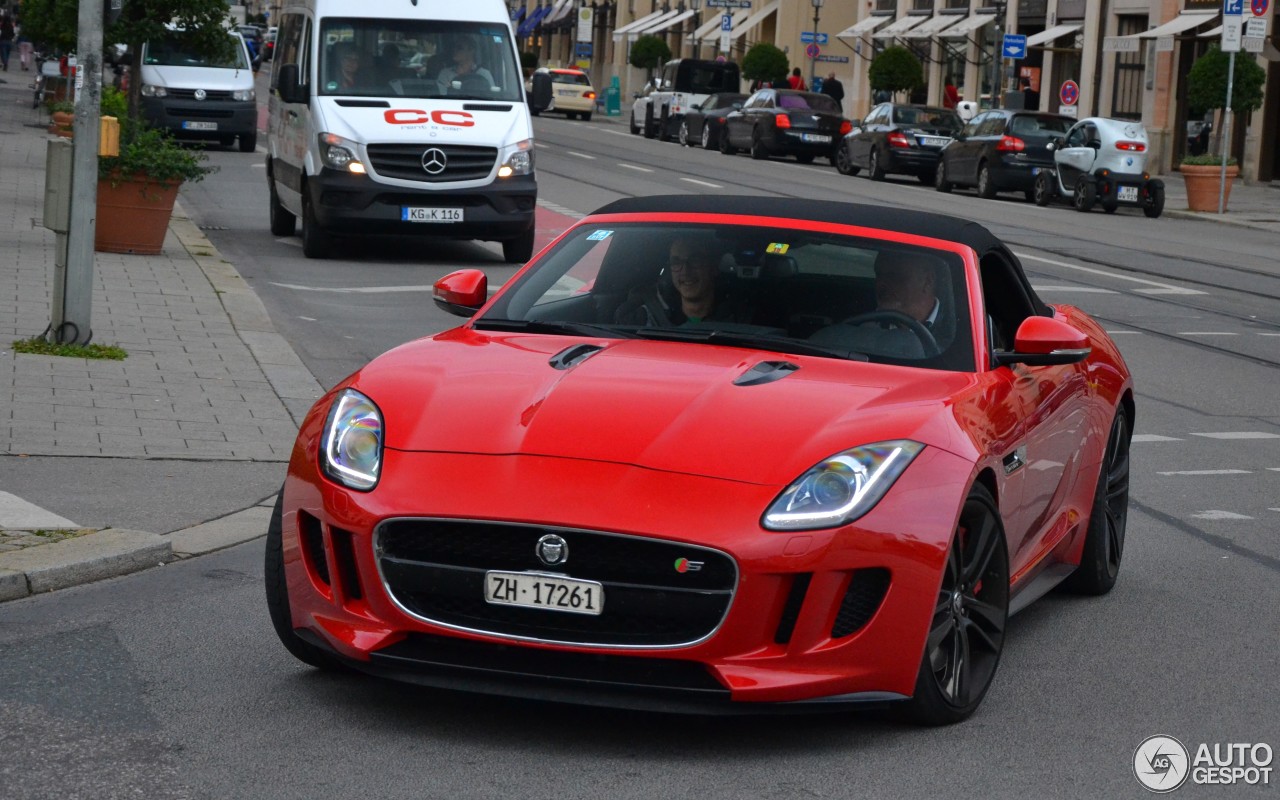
<point x="726" y="22"/>
<point x="1233" y="8"/>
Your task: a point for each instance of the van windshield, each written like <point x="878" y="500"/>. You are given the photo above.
<point x="418" y="58"/>
<point x="172" y="52"/>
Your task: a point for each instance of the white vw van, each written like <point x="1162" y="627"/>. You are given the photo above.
<point x="195" y="97"/>
<point x="400" y="116"/>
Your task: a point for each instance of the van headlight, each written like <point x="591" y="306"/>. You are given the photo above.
<point x="519" y="161"/>
<point x="841" y="488"/>
<point x="243" y="94"/>
<point x="151" y="90"/>
<point x="340" y="153"/>
<point x="351" y="452"/>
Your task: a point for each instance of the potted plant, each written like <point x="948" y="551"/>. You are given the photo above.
<point x="1207" y="91"/>
<point x="62" y="117"/>
<point x="137" y="188"/>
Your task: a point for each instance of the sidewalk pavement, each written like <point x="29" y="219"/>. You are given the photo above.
<point x="207" y="376"/>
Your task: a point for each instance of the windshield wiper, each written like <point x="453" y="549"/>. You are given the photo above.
<point x="775" y="344"/>
<point x="547" y="326"/>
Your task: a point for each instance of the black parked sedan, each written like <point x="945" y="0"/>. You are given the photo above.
<point x="898" y="139"/>
<point x="1001" y="151"/>
<point x="702" y="123"/>
<point x="775" y="122"/>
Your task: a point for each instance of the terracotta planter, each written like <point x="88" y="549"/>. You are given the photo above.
<point x="62" y="123"/>
<point x="1202" y="186"/>
<point x="133" y="215"/>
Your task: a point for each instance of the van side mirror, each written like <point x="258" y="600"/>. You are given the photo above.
<point x="540" y="98"/>
<point x="288" y="85"/>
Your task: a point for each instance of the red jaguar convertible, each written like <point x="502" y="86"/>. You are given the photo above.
<point x="712" y="453"/>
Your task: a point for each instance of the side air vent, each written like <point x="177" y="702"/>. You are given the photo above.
<point x="862" y="600"/>
<point x="791" y="611"/>
<point x="766" y="372"/>
<point x="572" y="356"/>
<point x="344" y="556"/>
<point x="313" y="547"/>
<point x="363" y="103"/>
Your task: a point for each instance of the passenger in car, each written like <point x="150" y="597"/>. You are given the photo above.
<point x="687" y="290"/>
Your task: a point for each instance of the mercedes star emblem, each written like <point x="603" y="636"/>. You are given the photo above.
<point x="552" y="550"/>
<point x="434" y="161"/>
<point x="201" y="94"/>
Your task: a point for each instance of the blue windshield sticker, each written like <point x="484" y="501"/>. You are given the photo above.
<point x="599" y="236"/>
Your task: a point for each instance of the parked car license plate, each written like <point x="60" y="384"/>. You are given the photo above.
<point x="933" y="141"/>
<point x="415" y="214"/>
<point x="1127" y="194"/>
<point x="199" y="126"/>
<point x="533" y="590"/>
<point x="816" y="138"/>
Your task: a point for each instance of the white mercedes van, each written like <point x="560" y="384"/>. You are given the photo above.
<point x="400" y="116"/>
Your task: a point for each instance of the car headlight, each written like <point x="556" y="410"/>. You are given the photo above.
<point x="151" y="90"/>
<point x="519" y="162"/>
<point x="841" y="488"/>
<point x="243" y="94"/>
<point x="352" y="448"/>
<point x="340" y="153"/>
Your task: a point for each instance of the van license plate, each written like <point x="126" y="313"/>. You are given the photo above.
<point x="411" y="214"/>
<point x="199" y="126"/>
<point x="1127" y="194"/>
<point x="543" y="591"/>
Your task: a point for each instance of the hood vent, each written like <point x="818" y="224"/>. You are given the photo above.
<point x="766" y="372"/>
<point x="572" y="356"/>
<point x="363" y="103"/>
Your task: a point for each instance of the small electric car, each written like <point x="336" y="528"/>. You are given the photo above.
<point x="1101" y="162"/>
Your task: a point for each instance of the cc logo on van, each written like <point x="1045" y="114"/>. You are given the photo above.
<point x="434" y="161"/>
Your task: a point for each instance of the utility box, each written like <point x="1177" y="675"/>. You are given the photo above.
<point x="613" y="98"/>
<point x="57" y="185"/>
<point x="108" y="136"/>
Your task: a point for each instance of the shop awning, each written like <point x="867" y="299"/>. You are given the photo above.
<point x="561" y="11"/>
<point x="517" y="14"/>
<point x="1183" y="22"/>
<point x="864" y="26"/>
<point x="932" y="26"/>
<point x="662" y="26"/>
<point x="899" y="27"/>
<point x="711" y="30"/>
<point x="636" y="23"/>
<point x="753" y="20"/>
<point x="532" y="20"/>
<point x="968" y="25"/>
<point x="1056" y="32"/>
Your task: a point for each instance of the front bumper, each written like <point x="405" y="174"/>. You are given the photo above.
<point x="345" y="202"/>
<point x="806" y="624"/>
<point x="227" y="117"/>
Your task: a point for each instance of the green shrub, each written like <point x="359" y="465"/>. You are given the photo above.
<point x="115" y="103"/>
<point x="153" y="153"/>
<point x="1207" y="83"/>
<point x="1208" y="160"/>
<point x="649" y="53"/>
<point x="765" y="63"/>
<point x="896" y="69"/>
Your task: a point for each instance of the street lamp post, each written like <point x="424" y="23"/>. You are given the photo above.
<point x="997" y="60"/>
<point x="696" y="5"/>
<point x="813" y="62"/>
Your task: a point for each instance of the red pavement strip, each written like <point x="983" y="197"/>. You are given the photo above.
<point x="548" y="225"/>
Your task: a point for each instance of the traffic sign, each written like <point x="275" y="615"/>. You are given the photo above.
<point x="812" y="50"/>
<point x="729" y="3"/>
<point x="726" y="23"/>
<point x="1232" y="8"/>
<point x="1259" y="7"/>
<point x="809" y="37"/>
<point x="1069" y="94"/>
<point x="1256" y="27"/>
<point x="1015" y="46"/>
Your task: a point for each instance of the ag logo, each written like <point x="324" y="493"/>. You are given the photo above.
<point x="1161" y="764"/>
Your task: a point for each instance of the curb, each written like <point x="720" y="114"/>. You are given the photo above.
<point x="104" y="554"/>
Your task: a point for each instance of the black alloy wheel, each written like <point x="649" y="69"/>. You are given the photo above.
<point x="1086" y="194"/>
<point x="726" y="148"/>
<point x="684" y="133"/>
<point x="1043" y="190"/>
<point x="758" y="150"/>
<point x="966" y="633"/>
<point x="940" y="181"/>
<point x="844" y="164"/>
<point x="1153" y="203"/>
<point x="706" y="136"/>
<point x="986" y="187"/>
<point x="1104" y="540"/>
<point x="874" y="170"/>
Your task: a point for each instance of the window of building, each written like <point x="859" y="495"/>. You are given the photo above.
<point x="1126" y="96"/>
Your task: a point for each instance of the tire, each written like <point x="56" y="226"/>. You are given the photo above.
<point x="966" y="633"/>
<point x="683" y="136"/>
<point x="927" y="178"/>
<point x="278" y="598"/>
<point x="1086" y="194"/>
<point x="227" y="141"/>
<point x="940" y="181"/>
<point x="315" y="241"/>
<point x="282" y="220"/>
<point x="986" y="188"/>
<point x="248" y="142"/>
<point x="1044" y="190"/>
<point x="805" y="159"/>
<point x="1153" y="205"/>
<point x="1030" y="195"/>
<point x="874" y="170"/>
<point x="635" y="129"/>
<point x="1110" y="207"/>
<point x="664" y="126"/>
<point x="1104" y="540"/>
<point x="650" y="125"/>
<point x="518" y="251"/>
<point x="844" y="165"/>
<point x="726" y="148"/>
<point x="707" y="144"/>
<point x="585" y="116"/>
<point x="758" y="150"/>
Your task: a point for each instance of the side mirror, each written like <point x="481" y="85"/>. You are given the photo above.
<point x="541" y="95"/>
<point x="958" y="136"/>
<point x="1096" y="144"/>
<point x="287" y="84"/>
<point x="461" y="293"/>
<point x="1045" y="341"/>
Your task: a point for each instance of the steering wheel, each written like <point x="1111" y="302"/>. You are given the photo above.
<point x="474" y="84"/>
<point x="917" y="327"/>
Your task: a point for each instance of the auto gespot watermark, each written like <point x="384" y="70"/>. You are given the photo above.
<point x="1162" y="763"/>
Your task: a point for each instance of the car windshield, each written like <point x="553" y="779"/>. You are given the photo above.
<point x="772" y="288"/>
<point x="172" y="52"/>
<point x="575" y="78"/>
<point x="418" y="58"/>
<point x="1028" y="125"/>
<point x="936" y="118"/>
<point x="814" y="102"/>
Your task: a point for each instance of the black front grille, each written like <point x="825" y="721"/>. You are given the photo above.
<point x="404" y="161"/>
<point x="866" y="591"/>
<point x="436" y="569"/>
<point x="190" y="94"/>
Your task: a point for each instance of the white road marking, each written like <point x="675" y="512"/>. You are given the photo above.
<point x="618" y="133"/>
<point x="1213" y="514"/>
<point x="702" y="183"/>
<point x="581" y="155"/>
<point x="1158" y="288"/>
<point x="257" y="166"/>
<point x="290" y="240"/>
<point x="1269" y="334"/>
<point x="354" y="289"/>
<point x="1124" y="333"/>
<point x="1206" y="333"/>
<point x="540" y="144"/>
<point x="308" y="319"/>
<point x="559" y="209"/>
<point x="637" y="169"/>
<point x="1208" y="472"/>
<point x="1273" y="469"/>
<point x="1152" y="437"/>
<point x="1239" y="435"/>
<point x="1091" y="289"/>
<point x="19" y="515"/>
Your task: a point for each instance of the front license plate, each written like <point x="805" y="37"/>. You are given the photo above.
<point x="199" y="126"/>
<point x="1127" y="194"/>
<point x="412" y="214"/>
<point x="543" y="591"/>
<point x="933" y="141"/>
<point x="816" y="138"/>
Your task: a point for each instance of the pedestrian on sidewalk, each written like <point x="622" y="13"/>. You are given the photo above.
<point x="26" y="50"/>
<point x="834" y="89"/>
<point x="7" y="34"/>
<point x="796" y="81"/>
